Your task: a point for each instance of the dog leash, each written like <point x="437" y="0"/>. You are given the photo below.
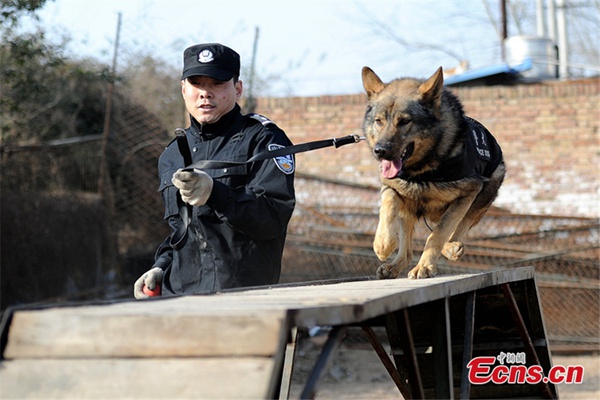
<point x="179" y="237"/>
<point x="265" y="155"/>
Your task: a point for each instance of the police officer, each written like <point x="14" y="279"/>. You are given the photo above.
<point x="239" y="214"/>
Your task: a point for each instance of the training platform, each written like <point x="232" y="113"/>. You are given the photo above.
<point x="240" y="344"/>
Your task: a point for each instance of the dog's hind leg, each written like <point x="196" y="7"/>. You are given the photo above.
<point x="436" y="241"/>
<point x="454" y="249"/>
<point x="394" y="232"/>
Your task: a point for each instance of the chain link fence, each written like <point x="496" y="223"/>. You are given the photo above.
<point x="332" y="230"/>
<point x="64" y="235"/>
<point x="64" y="240"/>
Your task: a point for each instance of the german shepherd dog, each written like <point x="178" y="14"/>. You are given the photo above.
<point x="436" y="163"/>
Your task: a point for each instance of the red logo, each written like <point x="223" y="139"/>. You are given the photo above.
<point x="483" y="370"/>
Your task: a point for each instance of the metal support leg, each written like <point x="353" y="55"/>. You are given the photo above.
<point x="400" y="336"/>
<point x="288" y="365"/>
<point x="465" y="385"/>
<point x="333" y="342"/>
<point x="442" y="352"/>
<point x="385" y="359"/>
<point x="527" y="342"/>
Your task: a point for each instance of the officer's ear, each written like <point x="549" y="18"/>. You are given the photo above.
<point x="239" y="89"/>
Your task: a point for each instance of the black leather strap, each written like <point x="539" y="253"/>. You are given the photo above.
<point x="184" y="148"/>
<point x="179" y="238"/>
<point x="298" y="148"/>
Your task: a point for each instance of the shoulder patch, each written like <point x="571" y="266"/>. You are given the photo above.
<point x="261" y="118"/>
<point x="284" y="163"/>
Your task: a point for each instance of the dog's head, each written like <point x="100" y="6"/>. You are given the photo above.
<point x="402" y="120"/>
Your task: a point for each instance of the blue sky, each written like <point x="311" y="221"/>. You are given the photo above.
<point x="308" y="47"/>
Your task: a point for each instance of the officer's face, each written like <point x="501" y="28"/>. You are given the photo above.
<point x="208" y="99"/>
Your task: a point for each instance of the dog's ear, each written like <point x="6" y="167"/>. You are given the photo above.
<point x="371" y="82"/>
<point x="431" y="90"/>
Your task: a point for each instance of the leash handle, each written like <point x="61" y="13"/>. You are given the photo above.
<point x="183" y="146"/>
<point x="179" y="237"/>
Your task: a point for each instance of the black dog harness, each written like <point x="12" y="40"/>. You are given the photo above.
<point x="481" y="156"/>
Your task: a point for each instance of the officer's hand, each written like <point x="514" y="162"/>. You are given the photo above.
<point x="151" y="279"/>
<point x="195" y="186"/>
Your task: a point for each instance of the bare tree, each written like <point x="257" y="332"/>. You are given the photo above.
<point x="387" y="30"/>
<point x="583" y="19"/>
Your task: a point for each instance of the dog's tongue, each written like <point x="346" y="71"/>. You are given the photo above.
<point x="390" y="169"/>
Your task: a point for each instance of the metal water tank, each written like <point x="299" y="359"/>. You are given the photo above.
<point x="542" y="51"/>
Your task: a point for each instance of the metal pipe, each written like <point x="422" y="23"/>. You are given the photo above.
<point x="563" y="43"/>
<point x="551" y="20"/>
<point x="504" y="29"/>
<point x="539" y="18"/>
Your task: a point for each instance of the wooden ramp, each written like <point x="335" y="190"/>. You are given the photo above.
<point x="240" y="344"/>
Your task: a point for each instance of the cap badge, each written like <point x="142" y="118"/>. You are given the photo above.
<point x="205" y="56"/>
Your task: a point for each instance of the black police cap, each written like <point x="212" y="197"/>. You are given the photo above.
<point x="211" y="59"/>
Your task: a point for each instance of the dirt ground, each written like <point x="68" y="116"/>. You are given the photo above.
<point x="359" y="374"/>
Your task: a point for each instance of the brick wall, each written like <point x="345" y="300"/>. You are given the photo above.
<point x="548" y="132"/>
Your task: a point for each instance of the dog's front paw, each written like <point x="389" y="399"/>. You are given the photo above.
<point x="453" y="251"/>
<point x="387" y="271"/>
<point x="420" y="272"/>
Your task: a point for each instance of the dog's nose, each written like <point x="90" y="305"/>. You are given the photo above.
<point x="381" y="151"/>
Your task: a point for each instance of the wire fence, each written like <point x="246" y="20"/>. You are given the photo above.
<point x="59" y="222"/>
<point x="332" y="238"/>
<point x="66" y="240"/>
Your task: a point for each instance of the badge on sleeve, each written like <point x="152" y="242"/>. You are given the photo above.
<point x="284" y="163"/>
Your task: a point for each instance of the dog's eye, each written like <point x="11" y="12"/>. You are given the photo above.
<point x="378" y="122"/>
<point x="403" y="121"/>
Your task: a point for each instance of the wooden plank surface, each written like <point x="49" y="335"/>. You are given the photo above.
<point x="225" y="323"/>
<point x="226" y="344"/>
<point x="353" y="302"/>
<point x="134" y="330"/>
<point x="191" y="378"/>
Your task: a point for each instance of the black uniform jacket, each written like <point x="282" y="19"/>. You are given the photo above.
<point x="237" y="238"/>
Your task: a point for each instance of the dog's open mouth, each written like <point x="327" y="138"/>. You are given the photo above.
<point x="390" y="169"/>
